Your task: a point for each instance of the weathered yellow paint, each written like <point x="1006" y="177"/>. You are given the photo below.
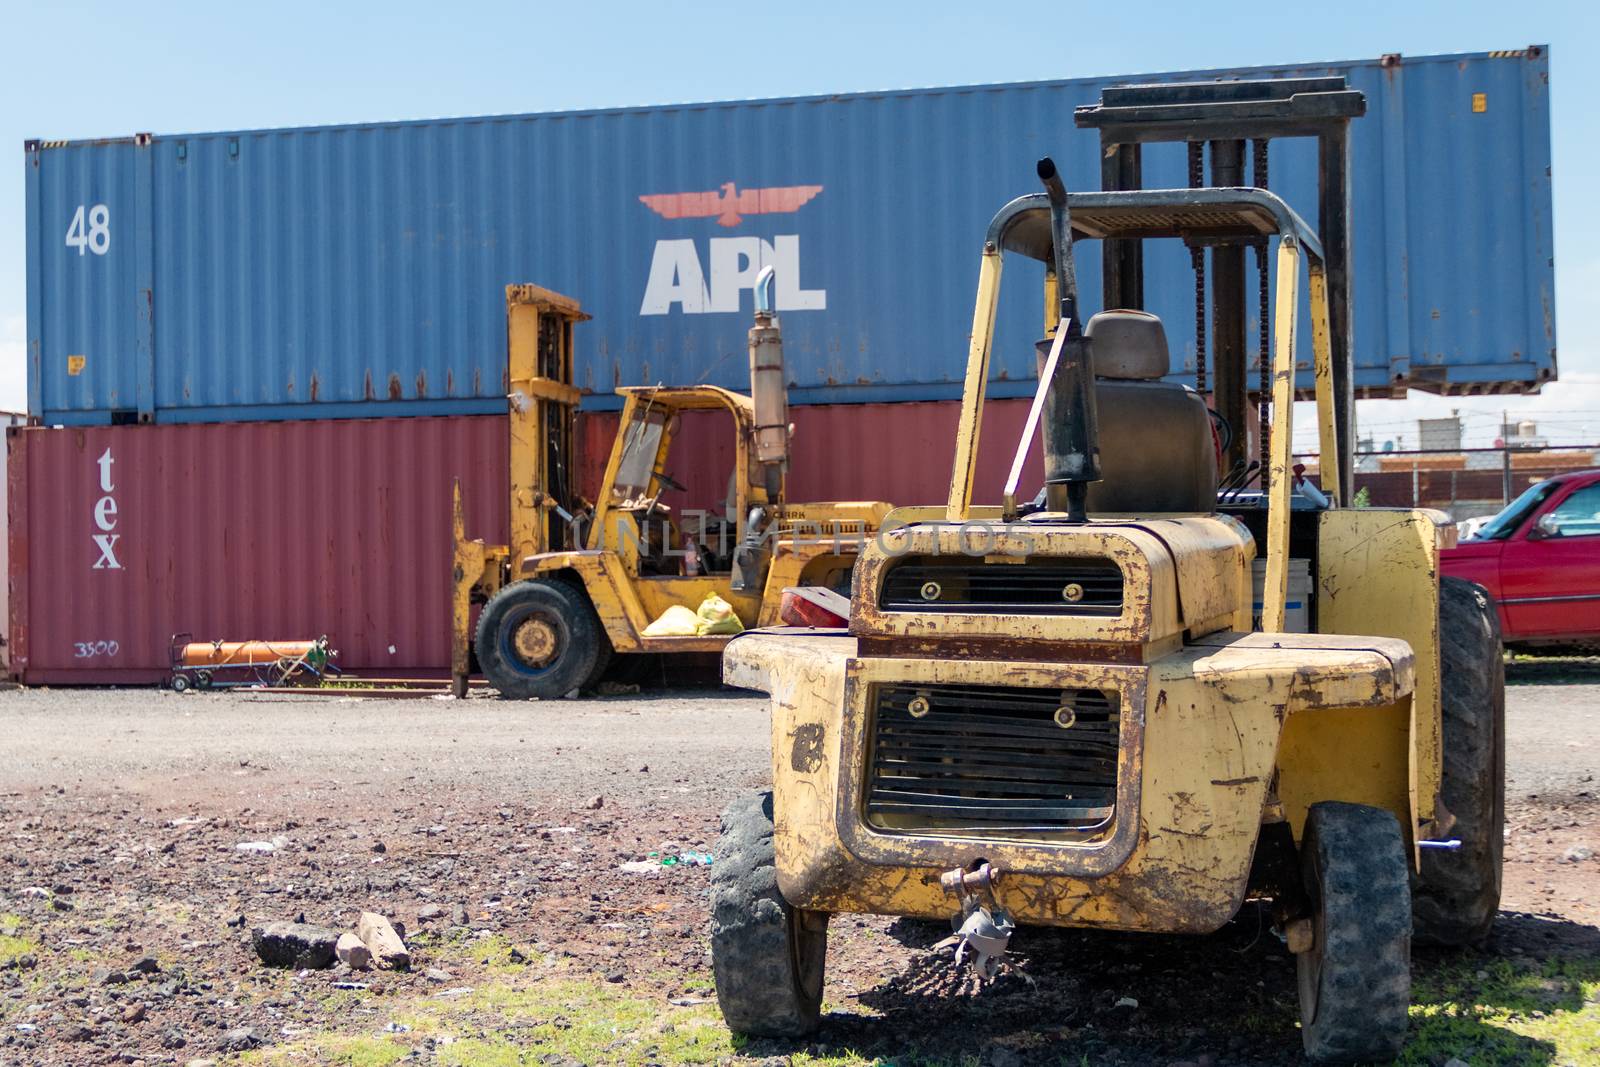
<point x="972" y="390"/>
<point x="543" y="401"/>
<point x="1378" y="572"/>
<point x="1276" y="589"/>
<point x="539" y="406"/>
<point x="1322" y="361"/>
<point x="1199" y="740"/>
<point x="1208" y="558"/>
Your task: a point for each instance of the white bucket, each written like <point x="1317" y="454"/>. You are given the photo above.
<point x="1297" y="606"/>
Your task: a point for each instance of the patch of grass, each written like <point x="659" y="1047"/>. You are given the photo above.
<point x="492" y="954"/>
<point x="582" y="1020"/>
<point x="15" y="946"/>
<point x="337" y="1051"/>
<point x="1536" y="1012"/>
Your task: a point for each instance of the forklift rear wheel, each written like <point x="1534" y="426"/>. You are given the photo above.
<point x="1355" y="979"/>
<point x="766" y="955"/>
<point x="538" y="639"/>
<point x="1458" y="893"/>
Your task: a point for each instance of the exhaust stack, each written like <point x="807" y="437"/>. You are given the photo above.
<point x="1069" y="434"/>
<point x="768" y="389"/>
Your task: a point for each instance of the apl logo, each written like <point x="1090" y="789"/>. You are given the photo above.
<point x="678" y="274"/>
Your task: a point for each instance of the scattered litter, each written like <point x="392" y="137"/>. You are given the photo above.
<point x="27" y="1028"/>
<point x="695" y="859"/>
<point x="687" y="1002"/>
<point x="563" y="829"/>
<point x="1126" y="1002"/>
<point x="640" y="867"/>
<point x="186" y="820"/>
<point x="350" y="985"/>
<point x="457" y="991"/>
<point x="35" y="891"/>
<point x="397" y="1028"/>
<point x="263" y="846"/>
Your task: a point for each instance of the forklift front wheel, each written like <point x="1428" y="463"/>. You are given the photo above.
<point x="1355" y="978"/>
<point x="766" y="955"/>
<point x="538" y="639"/>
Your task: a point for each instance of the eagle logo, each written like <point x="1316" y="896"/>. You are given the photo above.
<point x="730" y="205"/>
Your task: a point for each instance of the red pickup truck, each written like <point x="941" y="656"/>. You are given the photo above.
<point x="1539" y="558"/>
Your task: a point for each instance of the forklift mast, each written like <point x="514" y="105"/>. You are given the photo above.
<point x="1217" y="118"/>
<point x="543" y="405"/>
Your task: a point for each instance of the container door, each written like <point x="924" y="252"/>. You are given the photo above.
<point x="89" y="285"/>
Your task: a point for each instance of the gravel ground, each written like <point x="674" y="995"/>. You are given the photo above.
<point x="496" y="832"/>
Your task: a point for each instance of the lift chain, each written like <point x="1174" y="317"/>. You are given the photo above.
<point x="1197" y="259"/>
<point x="1263" y="354"/>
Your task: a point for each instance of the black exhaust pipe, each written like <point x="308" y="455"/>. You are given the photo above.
<point x="1069" y="434"/>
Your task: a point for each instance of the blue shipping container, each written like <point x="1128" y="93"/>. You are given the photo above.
<point x="359" y="270"/>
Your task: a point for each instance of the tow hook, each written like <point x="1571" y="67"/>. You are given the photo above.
<point x="983" y="929"/>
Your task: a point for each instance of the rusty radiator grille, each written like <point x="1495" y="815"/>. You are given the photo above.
<point x="1048" y="586"/>
<point x="948" y="758"/>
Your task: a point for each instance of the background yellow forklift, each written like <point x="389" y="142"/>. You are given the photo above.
<point x="583" y="580"/>
<point x="1059" y="712"/>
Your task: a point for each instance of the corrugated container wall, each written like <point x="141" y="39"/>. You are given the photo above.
<point x="121" y="536"/>
<point x="358" y="270"/>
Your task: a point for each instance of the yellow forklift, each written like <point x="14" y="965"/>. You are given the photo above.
<point x="1059" y="712"/>
<point x="583" y="580"/>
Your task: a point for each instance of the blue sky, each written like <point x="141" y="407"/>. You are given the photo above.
<point x="75" y="70"/>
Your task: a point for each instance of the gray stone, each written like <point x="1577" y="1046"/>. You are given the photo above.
<point x="243" y="1039"/>
<point x="297" y="945"/>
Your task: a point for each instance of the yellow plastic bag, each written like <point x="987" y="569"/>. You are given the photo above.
<point x="676" y="621"/>
<point x="716" y="617"/>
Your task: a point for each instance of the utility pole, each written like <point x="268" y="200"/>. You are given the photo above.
<point x="1505" y="459"/>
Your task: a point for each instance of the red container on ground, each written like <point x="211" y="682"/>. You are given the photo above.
<point x="121" y="536"/>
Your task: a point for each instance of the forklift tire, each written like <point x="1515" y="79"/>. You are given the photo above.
<point x="565" y="625"/>
<point x="179" y="683"/>
<point x="1457" y="893"/>
<point x="1355" y="979"/>
<point x="767" y="956"/>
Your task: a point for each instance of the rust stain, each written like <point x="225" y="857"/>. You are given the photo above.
<point x="396" y="391"/>
<point x="370" y="395"/>
<point x="316" y="386"/>
<point x="422" y="384"/>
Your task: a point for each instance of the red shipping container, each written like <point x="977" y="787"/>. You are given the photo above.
<point x="122" y="536"/>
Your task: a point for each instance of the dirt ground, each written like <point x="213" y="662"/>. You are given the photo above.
<point x="496" y="834"/>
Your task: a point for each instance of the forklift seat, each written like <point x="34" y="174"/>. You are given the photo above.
<point x="1156" y="451"/>
<point x="1128" y="345"/>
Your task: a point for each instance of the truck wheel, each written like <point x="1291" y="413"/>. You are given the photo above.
<point x="767" y="956"/>
<point x="1457" y="893"/>
<point x="1355" y="979"/>
<point x="538" y="639"/>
